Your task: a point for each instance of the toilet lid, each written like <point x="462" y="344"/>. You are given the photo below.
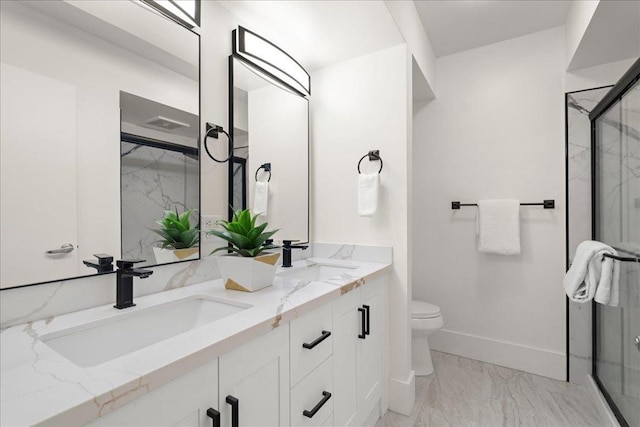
<point x="424" y="310"/>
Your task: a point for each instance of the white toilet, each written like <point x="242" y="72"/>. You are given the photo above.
<point x="425" y="320"/>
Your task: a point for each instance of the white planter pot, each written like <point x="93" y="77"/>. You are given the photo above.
<point x="164" y="256"/>
<point x="248" y="274"/>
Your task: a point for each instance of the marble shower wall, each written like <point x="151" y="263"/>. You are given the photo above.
<point x="153" y="180"/>
<point x="579" y="104"/>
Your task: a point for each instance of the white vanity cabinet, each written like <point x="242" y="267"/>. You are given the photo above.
<point x="358" y="346"/>
<point x="182" y="402"/>
<point x="311" y="349"/>
<point x="256" y="375"/>
<point x="326" y="368"/>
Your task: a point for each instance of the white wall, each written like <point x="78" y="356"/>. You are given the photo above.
<point x="496" y="130"/>
<point x="357" y="106"/>
<point x="407" y="19"/>
<point x="598" y="76"/>
<point x="578" y="19"/>
<point x="215" y="39"/>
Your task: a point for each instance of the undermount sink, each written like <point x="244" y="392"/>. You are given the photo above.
<point x="94" y="343"/>
<point x="317" y="272"/>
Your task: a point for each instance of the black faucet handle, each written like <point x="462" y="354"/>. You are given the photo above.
<point x="104" y="264"/>
<point x="141" y="273"/>
<point x="127" y="264"/>
<point x="287" y="243"/>
<point x="104" y="259"/>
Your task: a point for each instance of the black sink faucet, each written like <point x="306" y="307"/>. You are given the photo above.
<point x="286" y="251"/>
<point x="124" y="277"/>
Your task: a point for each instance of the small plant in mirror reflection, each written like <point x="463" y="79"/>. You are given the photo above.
<point x="246" y="238"/>
<point x="176" y="231"/>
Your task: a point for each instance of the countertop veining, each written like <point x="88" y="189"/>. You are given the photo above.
<point x="39" y="386"/>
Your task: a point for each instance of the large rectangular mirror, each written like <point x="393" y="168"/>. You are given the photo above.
<point x="97" y="97"/>
<point x="271" y="152"/>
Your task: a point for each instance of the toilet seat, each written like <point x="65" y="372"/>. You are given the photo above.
<point x="424" y="310"/>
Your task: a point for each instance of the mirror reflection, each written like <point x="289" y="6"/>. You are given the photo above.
<point x="270" y="168"/>
<point x="159" y="173"/>
<point x="67" y="68"/>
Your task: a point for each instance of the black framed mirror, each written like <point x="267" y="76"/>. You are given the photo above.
<point x="270" y="127"/>
<point x="64" y="68"/>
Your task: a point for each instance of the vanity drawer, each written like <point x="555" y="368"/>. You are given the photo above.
<point x="311" y="342"/>
<point x="311" y="392"/>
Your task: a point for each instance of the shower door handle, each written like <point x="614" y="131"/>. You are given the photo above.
<point x="636" y="342"/>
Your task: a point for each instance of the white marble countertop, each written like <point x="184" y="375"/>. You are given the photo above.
<point x="39" y="386"/>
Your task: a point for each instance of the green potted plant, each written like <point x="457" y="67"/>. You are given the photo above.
<point x="180" y="239"/>
<point x="249" y="267"/>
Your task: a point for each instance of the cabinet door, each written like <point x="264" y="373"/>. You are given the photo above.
<point x="346" y="328"/>
<point x="257" y="375"/>
<point x="182" y="402"/>
<point x="370" y="351"/>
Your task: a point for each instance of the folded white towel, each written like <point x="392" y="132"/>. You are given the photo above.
<point x="368" y="185"/>
<point x="261" y="198"/>
<point x="592" y="275"/>
<point x="498" y="226"/>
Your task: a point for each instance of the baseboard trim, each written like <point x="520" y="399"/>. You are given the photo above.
<point x="601" y="403"/>
<point x="529" y="359"/>
<point x="402" y="394"/>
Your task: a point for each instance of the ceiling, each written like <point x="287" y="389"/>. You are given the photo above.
<point x="137" y="111"/>
<point x="318" y="33"/>
<point x="613" y="34"/>
<point x="455" y="26"/>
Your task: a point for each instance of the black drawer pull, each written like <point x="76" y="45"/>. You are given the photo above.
<point x="235" y="403"/>
<point x="367" y="331"/>
<point x="324" y="336"/>
<point x="362" y="335"/>
<point x="326" y="396"/>
<point x="215" y="417"/>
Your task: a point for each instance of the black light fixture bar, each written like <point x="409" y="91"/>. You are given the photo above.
<point x="301" y="87"/>
<point x="169" y="14"/>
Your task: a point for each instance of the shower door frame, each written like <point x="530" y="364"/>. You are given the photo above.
<point x="626" y="82"/>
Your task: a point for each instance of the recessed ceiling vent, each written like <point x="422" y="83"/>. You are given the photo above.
<point x="164" y="123"/>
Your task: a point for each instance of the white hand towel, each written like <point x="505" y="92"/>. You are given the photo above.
<point x="261" y="198"/>
<point x="592" y="275"/>
<point x="368" y="185"/>
<point x="498" y="226"/>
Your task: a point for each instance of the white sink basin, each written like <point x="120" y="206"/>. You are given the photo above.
<point x="317" y="272"/>
<point x="94" y="343"/>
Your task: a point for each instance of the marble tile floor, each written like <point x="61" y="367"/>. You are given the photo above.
<point x="464" y="392"/>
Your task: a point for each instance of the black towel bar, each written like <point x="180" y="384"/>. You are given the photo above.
<point x="373" y="155"/>
<point x="634" y="258"/>
<point x="622" y="258"/>
<point x="548" y="204"/>
<point x="267" y="168"/>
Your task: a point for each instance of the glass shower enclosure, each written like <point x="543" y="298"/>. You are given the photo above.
<point x="615" y="139"/>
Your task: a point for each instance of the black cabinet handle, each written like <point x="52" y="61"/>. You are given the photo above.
<point x="362" y="335"/>
<point x="324" y="336"/>
<point x="325" y="397"/>
<point x="235" y="404"/>
<point x="367" y="331"/>
<point x="215" y="417"/>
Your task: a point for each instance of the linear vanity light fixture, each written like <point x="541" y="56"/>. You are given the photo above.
<point x="184" y="12"/>
<point x="272" y="62"/>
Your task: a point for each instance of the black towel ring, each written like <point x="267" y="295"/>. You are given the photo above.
<point x="267" y="168"/>
<point x="212" y="130"/>
<point x="373" y="155"/>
